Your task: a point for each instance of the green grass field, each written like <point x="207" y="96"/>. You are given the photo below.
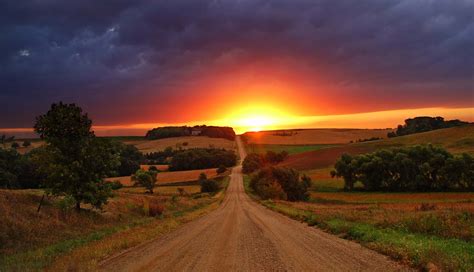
<point x="291" y="149"/>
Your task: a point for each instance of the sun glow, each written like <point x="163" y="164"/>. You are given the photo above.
<point x="257" y="118"/>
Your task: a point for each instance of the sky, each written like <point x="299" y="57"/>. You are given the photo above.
<point x="134" y="64"/>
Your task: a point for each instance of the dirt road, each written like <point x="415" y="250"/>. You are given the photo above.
<point x="242" y="235"/>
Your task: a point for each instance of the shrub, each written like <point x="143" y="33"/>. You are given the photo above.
<point x="208" y="185"/>
<point x="130" y="159"/>
<point x="274" y="158"/>
<point x="116" y="185"/>
<point x="26" y="143"/>
<point x="255" y="161"/>
<point x="221" y="169"/>
<point x="252" y="163"/>
<point x="280" y="183"/>
<point x="17" y="170"/>
<point x="155" y="209"/>
<point x="181" y="191"/>
<point x="15" y="145"/>
<point x="146" y="179"/>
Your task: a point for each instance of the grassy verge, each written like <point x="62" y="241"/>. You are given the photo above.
<point x="416" y="238"/>
<point x="88" y="257"/>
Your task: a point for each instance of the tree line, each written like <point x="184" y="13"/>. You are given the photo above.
<point x="173" y="131"/>
<point x="417" y="168"/>
<point x="424" y="124"/>
<point x="202" y="158"/>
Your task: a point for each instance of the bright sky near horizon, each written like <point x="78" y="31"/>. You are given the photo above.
<point x="271" y="119"/>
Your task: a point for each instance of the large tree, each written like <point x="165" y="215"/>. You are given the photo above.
<point x="74" y="161"/>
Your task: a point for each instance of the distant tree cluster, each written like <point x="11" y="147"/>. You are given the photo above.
<point x="202" y="158"/>
<point x="210" y="131"/>
<point x="280" y="183"/>
<point x="160" y="157"/>
<point x="368" y="139"/>
<point x="4" y="139"/>
<point x="255" y="161"/>
<point x="130" y="159"/>
<point x="418" y="168"/>
<point x="423" y="124"/>
<point x="17" y="170"/>
<point x="285" y="133"/>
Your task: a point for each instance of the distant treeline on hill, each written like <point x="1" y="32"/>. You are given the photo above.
<point x="210" y="131"/>
<point x="423" y="124"/>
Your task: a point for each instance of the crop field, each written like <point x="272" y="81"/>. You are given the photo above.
<point x="146" y="146"/>
<point x="291" y="149"/>
<point x="314" y="136"/>
<point x="171" y="177"/>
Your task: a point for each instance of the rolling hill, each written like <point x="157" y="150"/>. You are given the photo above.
<point x="455" y="140"/>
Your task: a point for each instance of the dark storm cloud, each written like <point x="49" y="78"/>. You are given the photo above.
<point x="102" y="52"/>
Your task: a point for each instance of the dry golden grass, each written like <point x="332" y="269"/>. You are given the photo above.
<point x="88" y="257"/>
<point x="171" y="177"/>
<point x="23" y="227"/>
<point x="147" y="146"/>
<point x="369" y="197"/>
<point x="315" y="136"/>
<point x="32" y="241"/>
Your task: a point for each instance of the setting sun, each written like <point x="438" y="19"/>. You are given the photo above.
<point x="257" y="117"/>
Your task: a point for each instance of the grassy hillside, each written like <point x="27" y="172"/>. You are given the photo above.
<point x="455" y="140"/>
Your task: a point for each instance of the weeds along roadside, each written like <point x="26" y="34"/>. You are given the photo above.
<point x="420" y="248"/>
<point x="85" y="251"/>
